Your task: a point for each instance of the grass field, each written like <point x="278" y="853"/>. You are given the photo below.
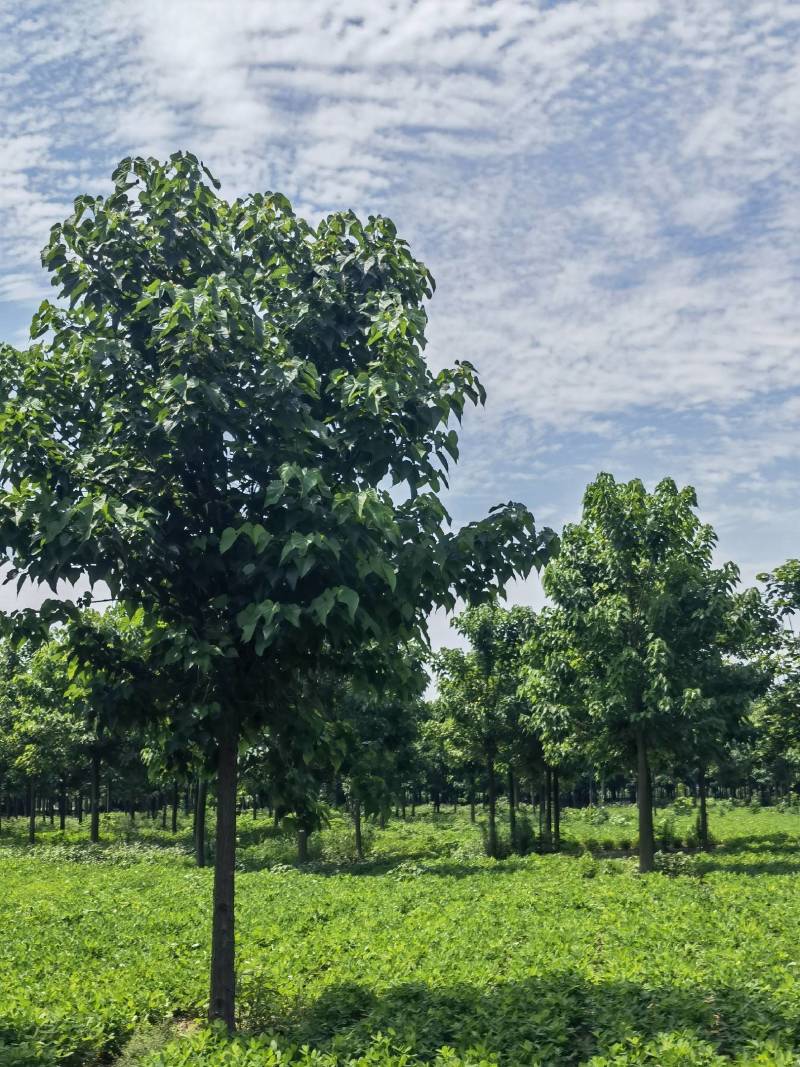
<point x="426" y="953"/>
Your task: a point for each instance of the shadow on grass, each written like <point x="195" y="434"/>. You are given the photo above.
<point x="776" y="842"/>
<point x="560" y="1018"/>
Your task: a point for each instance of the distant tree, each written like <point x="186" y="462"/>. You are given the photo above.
<point x="478" y="691"/>
<point x="644" y="609"/>
<point x="777" y="714"/>
<point x="43" y="733"/>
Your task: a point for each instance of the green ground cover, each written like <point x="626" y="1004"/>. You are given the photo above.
<point x="426" y="953"/>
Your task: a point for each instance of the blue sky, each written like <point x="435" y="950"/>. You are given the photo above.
<point x="607" y="194"/>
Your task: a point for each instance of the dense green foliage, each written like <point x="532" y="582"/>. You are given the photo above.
<point x="542" y="959"/>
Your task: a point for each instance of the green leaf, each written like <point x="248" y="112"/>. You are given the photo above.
<point x="228" y="537"/>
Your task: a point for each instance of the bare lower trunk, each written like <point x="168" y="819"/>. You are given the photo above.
<point x="200" y="822"/>
<point x="62" y="807"/>
<point x="492" y="809"/>
<point x="556" y="812"/>
<point x="302" y="845"/>
<point x="175" y="808"/>
<point x="644" y="799"/>
<point x="702" y="789"/>
<point x="512" y="810"/>
<point x="548" y="807"/>
<point x="31" y="813"/>
<point x="222" y="999"/>
<point x="357" y="826"/>
<point x="94" y="825"/>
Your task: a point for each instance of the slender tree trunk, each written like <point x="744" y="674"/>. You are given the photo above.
<point x="302" y="845"/>
<point x="108" y="795"/>
<point x="357" y="827"/>
<point x="222" y="999"/>
<point x="31" y="813"/>
<point x="492" y="808"/>
<point x="174" y="807"/>
<point x="556" y="812"/>
<point x="200" y="822"/>
<point x="79" y="807"/>
<point x="702" y="789"/>
<point x="512" y="810"/>
<point x="548" y="807"/>
<point x="94" y="825"/>
<point x="62" y="807"/>
<point x="163" y="813"/>
<point x="472" y="802"/>
<point x="644" y="800"/>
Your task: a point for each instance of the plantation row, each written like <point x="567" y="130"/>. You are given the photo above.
<point x="538" y="709"/>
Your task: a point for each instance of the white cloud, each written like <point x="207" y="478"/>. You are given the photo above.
<point x="607" y="193"/>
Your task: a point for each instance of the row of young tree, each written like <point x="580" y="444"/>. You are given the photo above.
<point x="226" y="419"/>
<point x="650" y="665"/>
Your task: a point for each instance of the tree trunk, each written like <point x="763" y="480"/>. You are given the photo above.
<point x="200" y="822"/>
<point x="512" y="810"/>
<point x="62" y="807"/>
<point x="548" y="807"/>
<point x="175" y="808"/>
<point x="79" y="807"/>
<point x="644" y="799"/>
<point x="702" y="828"/>
<point x="222" y="999"/>
<point x="472" y="804"/>
<point x="94" y="825"/>
<point x="31" y="813"/>
<point x="556" y="812"/>
<point x="302" y="845"/>
<point x="492" y="808"/>
<point x="357" y="827"/>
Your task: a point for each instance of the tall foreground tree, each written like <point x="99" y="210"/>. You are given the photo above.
<point x="208" y="421"/>
<point x="645" y="614"/>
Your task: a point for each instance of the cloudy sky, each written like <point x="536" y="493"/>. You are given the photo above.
<point x="606" y="193"/>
